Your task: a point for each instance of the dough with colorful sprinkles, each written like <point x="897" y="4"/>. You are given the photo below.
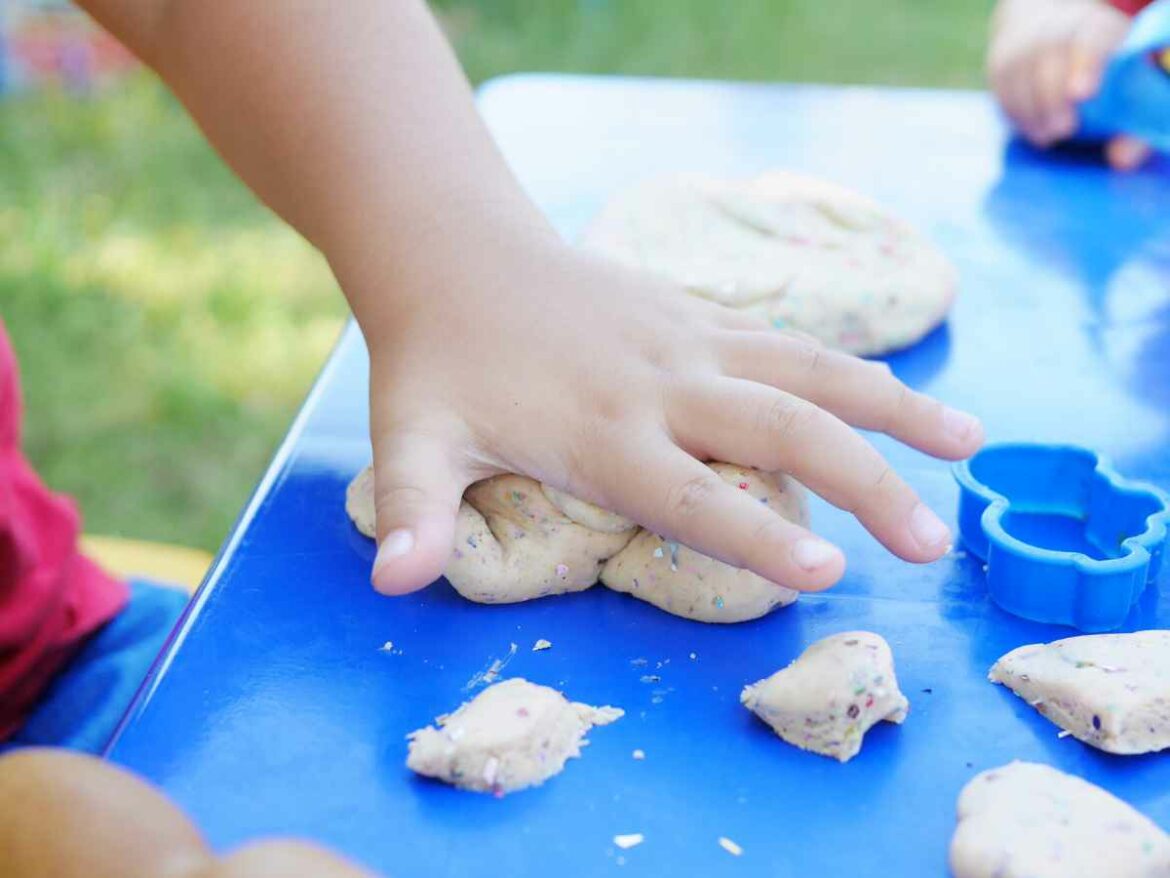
<point x="512" y="544"/>
<point x="514" y="734"/>
<point x="1026" y="820"/>
<point x="828" y="698"/>
<point x="516" y="540"/>
<point x="1111" y="691"/>
<point x="803" y="253"/>
<point x="681" y="581"/>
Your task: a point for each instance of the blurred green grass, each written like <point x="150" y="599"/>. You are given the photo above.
<point x="168" y="326"/>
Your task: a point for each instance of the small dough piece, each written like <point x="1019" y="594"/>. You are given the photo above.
<point x="514" y="734"/>
<point x="828" y="698"/>
<point x="801" y="252"/>
<point x="1111" y="691"/>
<point x="1025" y="820"/>
<point x="512" y="544"/>
<point x="359" y="503"/>
<point x="681" y="581"/>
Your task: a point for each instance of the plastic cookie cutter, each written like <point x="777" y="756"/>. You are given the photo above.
<point x="1134" y="97"/>
<point x="1065" y="539"/>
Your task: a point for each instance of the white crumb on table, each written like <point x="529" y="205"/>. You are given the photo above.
<point x="541" y="644"/>
<point x="731" y="847"/>
<point x="639" y="754"/>
<point x="387" y="646"/>
<point x="625" y="842"/>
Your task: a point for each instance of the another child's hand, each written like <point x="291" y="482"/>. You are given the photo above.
<point x="1047" y="56"/>
<point x="524" y="355"/>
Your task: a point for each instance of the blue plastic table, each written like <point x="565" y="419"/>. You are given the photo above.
<point x="275" y="710"/>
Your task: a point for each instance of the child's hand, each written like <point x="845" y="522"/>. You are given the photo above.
<point x="1045" y="57"/>
<point x="523" y="355"/>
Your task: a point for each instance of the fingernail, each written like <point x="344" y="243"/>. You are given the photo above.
<point x="927" y="528"/>
<point x="810" y="554"/>
<point x="959" y="424"/>
<point x="397" y="544"/>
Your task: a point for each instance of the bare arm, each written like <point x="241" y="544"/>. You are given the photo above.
<point x="351" y="120"/>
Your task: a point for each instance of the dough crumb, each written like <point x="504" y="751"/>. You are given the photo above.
<point x="512" y="735"/>
<point x="541" y="645"/>
<point x="639" y="754"/>
<point x="1111" y="691"/>
<point x="731" y="847"/>
<point x="388" y="646"/>
<point x="828" y="698"/>
<point x="625" y="842"/>
<point x="1026" y="820"/>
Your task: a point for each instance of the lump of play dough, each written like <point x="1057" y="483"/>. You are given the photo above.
<point x="1109" y="690"/>
<point x="681" y="581"/>
<point x="803" y="253"/>
<point x="828" y="698"/>
<point x="359" y="502"/>
<point x="516" y="539"/>
<point x="512" y="544"/>
<point x="514" y="734"/>
<point x="1031" y="821"/>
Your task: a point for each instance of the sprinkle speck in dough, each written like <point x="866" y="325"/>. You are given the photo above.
<point x="514" y="734"/>
<point x="1026" y="820"/>
<point x="1109" y="690"/>
<point x="828" y="698"/>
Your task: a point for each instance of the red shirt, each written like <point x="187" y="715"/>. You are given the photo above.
<point x="51" y="597"/>
<point x="1130" y="7"/>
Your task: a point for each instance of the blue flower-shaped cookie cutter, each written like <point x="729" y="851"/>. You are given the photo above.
<point x="1065" y="539"/>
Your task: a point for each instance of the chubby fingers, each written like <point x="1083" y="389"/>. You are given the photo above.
<point x="750" y="424"/>
<point x="860" y="392"/>
<point x="670" y="492"/>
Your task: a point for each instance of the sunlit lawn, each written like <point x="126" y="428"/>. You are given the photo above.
<point x="168" y="326"/>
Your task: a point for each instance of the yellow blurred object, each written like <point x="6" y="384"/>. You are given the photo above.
<point x="159" y="562"/>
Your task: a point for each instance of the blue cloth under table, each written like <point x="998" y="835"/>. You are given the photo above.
<point x="276" y="710"/>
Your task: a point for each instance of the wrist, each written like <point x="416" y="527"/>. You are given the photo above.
<point x="427" y="262"/>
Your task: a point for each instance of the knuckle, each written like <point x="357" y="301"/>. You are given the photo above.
<point x="786" y="417"/>
<point x="810" y="357"/>
<point x="686" y="501"/>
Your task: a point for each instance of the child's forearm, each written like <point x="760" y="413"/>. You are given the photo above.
<point x="351" y="120"/>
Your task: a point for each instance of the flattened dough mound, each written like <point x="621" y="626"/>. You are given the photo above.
<point x="828" y="698"/>
<point x="516" y="540"/>
<point x="1026" y="820"/>
<point x="514" y="734"/>
<point x="801" y="252"/>
<point x="681" y="581"/>
<point x="1111" y="691"/>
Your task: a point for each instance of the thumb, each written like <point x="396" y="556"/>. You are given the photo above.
<point x="417" y="491"/>
<point x="1125" y="153"/>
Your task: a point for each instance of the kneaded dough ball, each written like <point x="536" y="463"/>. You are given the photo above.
<point x="1026" y="820"/>
<point x="512" y="544"/>
<point x="359" y="503"/>
<point x="681" y="581"/>
<point x="801" y="252"/>
<point x="828" y="698"/>
<point x="512" y="735"/>
<point x="1109" y="690"/>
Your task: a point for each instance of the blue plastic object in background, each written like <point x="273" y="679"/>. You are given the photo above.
<point x="1066" y="539"/>
<point x="1135" y="91"/>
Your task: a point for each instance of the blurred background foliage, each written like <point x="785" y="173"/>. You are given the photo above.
<point x="168" y="326"/>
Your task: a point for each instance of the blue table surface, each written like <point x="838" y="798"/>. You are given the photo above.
<point x="274" y="710"/>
